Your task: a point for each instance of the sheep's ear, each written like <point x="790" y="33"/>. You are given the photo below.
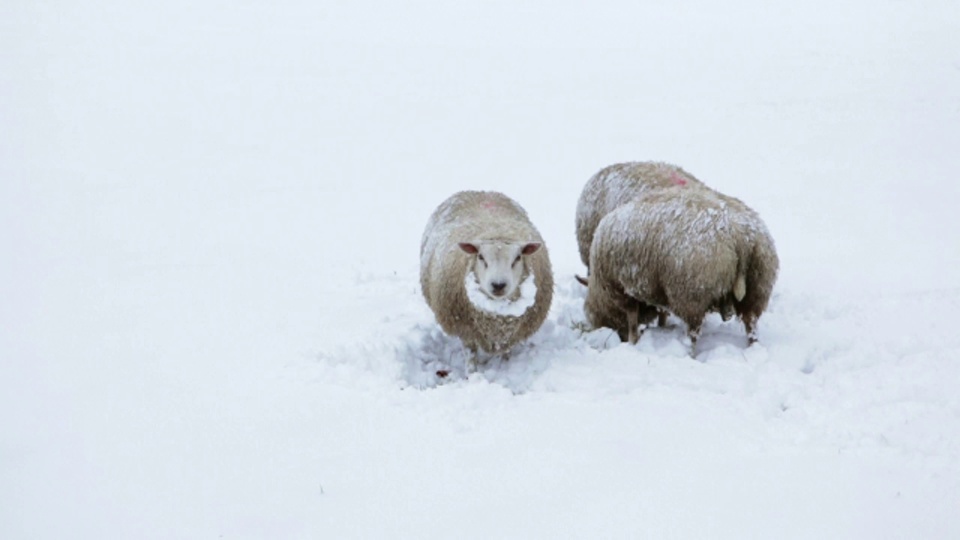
<point x="469" y="248"/>
<point x="582" y="280"/>
<point x="532" y="247"/>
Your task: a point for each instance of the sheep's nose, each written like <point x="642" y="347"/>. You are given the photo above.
<point x="498" y="287"/>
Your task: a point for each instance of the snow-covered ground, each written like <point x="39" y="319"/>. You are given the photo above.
<point x="210" y="318"/>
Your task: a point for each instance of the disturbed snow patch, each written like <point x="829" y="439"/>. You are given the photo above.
<point x="408" y="348"/>
<point x="430" y="358"/>
<point x="513" y="308"/>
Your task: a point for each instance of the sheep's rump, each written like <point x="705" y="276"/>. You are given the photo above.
<point x="681" y="250"/>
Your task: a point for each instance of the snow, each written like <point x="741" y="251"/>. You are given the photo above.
<point x="501" y="306"/>
<point x="210" y="321"/>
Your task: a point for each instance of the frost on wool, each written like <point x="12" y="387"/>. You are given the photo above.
<point x="620" y="183"/>
<point x="687" y="251"/>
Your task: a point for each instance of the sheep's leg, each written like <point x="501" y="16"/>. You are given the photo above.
<point x="472" y="360"/>
<point x="633" y="322"/>
<point x="662" y="317"/>
<point x="750" y="325"/>
<point x="694" y="335"/>
<point x="635" y="315"/>
<point x="727" y="309"/>
<point x="639" y="316"/>
<point x="694" y="324"/>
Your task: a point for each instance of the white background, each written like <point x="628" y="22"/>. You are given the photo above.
<point x="210" y="319"/>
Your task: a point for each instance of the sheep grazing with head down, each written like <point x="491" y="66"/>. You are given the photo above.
<point x="689" y="251"/>
<point x="617" y="184"/>
<point x="485" y="271"/>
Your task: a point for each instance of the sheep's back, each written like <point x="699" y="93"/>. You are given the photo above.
<point x="667" y="244"/>
<point x="617" y="184"/>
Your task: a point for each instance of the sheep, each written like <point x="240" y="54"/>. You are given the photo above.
<point x="689" y="251"/>
<point x="617" y="184"/>
<point x="485" y="272"/>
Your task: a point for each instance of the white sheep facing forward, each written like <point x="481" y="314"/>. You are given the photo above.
<point x="689" y="251"/>
<point x="485" y="271"/>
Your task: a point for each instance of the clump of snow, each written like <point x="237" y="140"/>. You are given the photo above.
<point x="513" y="308"/>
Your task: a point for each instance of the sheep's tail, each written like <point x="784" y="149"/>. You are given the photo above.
<point x="740" y="286"/>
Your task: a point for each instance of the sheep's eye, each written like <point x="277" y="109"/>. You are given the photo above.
<point x="515" y="261"/>
<point x="481" y="258"/>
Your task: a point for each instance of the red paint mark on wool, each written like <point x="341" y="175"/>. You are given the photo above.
<point x="677" y="179"/>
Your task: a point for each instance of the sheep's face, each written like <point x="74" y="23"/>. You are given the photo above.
<point x="500" y="267"/>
